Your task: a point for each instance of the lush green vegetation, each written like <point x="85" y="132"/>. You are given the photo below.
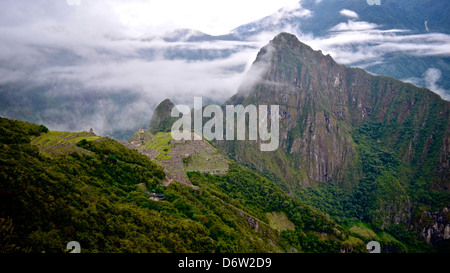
<point x="359" y="148"/>
<point x="18" y="132"/>
<point x="314" y="232"/>
<point x="54" y="144"/>
<point x="55" y="138"/>
<point x="387" y="181"/>
<point x="97" y="198"/>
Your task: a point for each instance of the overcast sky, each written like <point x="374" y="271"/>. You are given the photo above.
<point x="100" y="43"/>
<point x="212" y="17"/>
<point x="143" y="16"/>
<point x="100" y="47"/>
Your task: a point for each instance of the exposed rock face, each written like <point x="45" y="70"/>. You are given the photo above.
<point x="395" y="212"/>
<point x="309" y="87"/>
<point x="343" y="125"/>
<point x="322" y="102"/>
<point x="405" y="129"/>
<point x="161" y="116"/>
<point x="436" y="225"/>
<point x="254" y="223"/>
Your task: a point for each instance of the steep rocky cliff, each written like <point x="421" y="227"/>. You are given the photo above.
<point x="436" y="225"/>
<point x="373" y="136"/>
<point x="322" y="102"/>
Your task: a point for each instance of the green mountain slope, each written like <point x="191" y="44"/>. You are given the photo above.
<point x="98" y="195"/>
<point x="356" y="146"/>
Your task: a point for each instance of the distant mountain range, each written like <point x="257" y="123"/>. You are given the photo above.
<point x="318" y="17"/>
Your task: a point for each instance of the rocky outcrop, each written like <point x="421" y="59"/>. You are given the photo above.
<point x="394" y="212"/>
<point x="322" y="103"/>
<point x="253" y="222"/>
<point x="435" y="225"/>
<point x="309" y="87"/>
<point x="161" y="116"/>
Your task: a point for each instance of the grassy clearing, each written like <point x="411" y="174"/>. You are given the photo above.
<point x="54" y="143"/>
<point x="355" y="241"/>
<point x="279" y="221"/>
<point x="56" y="138"/>
<point x="362" y="231"/>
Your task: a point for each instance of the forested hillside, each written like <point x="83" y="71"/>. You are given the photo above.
<point x="98" y="195"/>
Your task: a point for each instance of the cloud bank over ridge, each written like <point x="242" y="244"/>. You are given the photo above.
<point x="122" y="69"/>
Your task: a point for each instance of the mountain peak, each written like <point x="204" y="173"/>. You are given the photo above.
<point x="291" y="41"/>
<point x="286" y="38"/>
<point x="287" y="49"/>
<point x="316" y="96"/>
<point x="161" y="115"/>
<point x="287" y="65"/>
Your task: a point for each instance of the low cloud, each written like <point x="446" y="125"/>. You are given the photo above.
<point x="354" y="26"/>
<point x="358" y="42"/>
<point x="364" y="44"/>
<point x="157" y="79"/>
<point x="257" y="70"/>
<point x="90" y="56"/>
<point x="432" y="77"/>
<point x="145" y="81"/>
<point x="431" y="80"/>
<point x="349" y="13"/>
<point x="100" y="75"/>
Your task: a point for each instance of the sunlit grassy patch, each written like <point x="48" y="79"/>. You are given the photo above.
<point x="362" y="231"/>
<point x="279" y="221"/>
<point x="54" y="143"/>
